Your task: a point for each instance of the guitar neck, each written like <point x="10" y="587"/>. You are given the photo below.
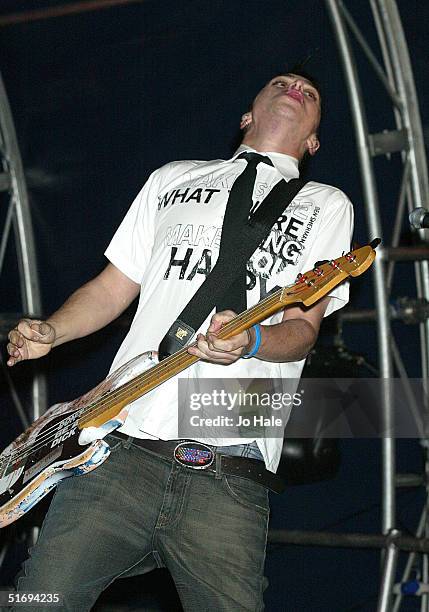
<point x="108" y="406"/>
<point x="308" y="289"/>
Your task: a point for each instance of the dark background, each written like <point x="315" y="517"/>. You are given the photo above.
<point x="100" y="99"/>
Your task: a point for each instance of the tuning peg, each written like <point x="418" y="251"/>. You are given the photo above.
<point x="374" y="243"/>
<point x="350" y="257"/>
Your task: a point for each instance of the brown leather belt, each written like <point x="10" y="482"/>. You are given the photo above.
<point x="252" y="469"/>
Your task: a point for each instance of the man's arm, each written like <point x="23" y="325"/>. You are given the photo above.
<point x="290" y="340"/>
<point x="88" y="309"/>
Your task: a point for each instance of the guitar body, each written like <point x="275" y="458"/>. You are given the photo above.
<point x="55" y="448"/>
<point x="68" y="439"/>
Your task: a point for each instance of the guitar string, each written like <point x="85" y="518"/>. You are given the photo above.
<point x="20" y="452"/>
<point x="111" y="398"/>
<point x="50" y="433"/>
<point x="242" y="318"/>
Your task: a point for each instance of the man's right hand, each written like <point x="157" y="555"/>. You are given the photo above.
<point x="30" y="339"/>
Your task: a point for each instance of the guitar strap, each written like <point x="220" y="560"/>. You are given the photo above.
<point x="221" y="288"/>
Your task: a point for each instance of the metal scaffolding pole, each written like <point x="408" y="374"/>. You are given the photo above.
<point x="395" y="74"/>
<point x="337" y="14"/>
<point x="398" y="67"/>
<point x="18" y="221"/>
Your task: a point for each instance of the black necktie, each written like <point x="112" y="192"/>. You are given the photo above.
<point x="225" y="286"/>
<point x="236" y="216"/>
<point x="240" y="197"/>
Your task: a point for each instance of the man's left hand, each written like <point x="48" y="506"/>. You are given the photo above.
<point x="223" y="352"/>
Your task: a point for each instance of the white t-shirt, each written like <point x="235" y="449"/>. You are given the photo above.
<point x="169" y="241"/>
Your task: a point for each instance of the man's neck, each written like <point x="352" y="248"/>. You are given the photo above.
<point x="268" y="144"/>
<point x="271" y="138"/>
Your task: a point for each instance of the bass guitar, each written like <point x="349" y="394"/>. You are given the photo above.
<point x="68" y="439"/>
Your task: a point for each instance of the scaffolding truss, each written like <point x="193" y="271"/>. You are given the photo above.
<point x="17" y="234"/>
<point x="394" y="72"/>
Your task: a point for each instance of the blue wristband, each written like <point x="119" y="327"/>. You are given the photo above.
<point x="257" y="344"/>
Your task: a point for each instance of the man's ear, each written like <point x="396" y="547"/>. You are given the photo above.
<point x="313" y="144"/>
<point x="246" y="120"/>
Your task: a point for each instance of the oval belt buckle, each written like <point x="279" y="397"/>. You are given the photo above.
<point x="194" y="455"/>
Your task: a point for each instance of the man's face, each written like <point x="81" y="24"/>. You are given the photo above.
<point x="289" y="98"/>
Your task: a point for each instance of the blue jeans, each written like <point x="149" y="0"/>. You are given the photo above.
<point x="139" y="511"/>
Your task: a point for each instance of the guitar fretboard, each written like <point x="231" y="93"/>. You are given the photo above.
<point x="176" y="363"/>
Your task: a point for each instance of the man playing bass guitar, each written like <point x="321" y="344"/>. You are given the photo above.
<point x="141" y="509"/>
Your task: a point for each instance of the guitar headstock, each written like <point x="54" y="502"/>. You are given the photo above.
<point x="315" y="284"/>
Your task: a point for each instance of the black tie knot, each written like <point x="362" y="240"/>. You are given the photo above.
<point x="253" y="159"/>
